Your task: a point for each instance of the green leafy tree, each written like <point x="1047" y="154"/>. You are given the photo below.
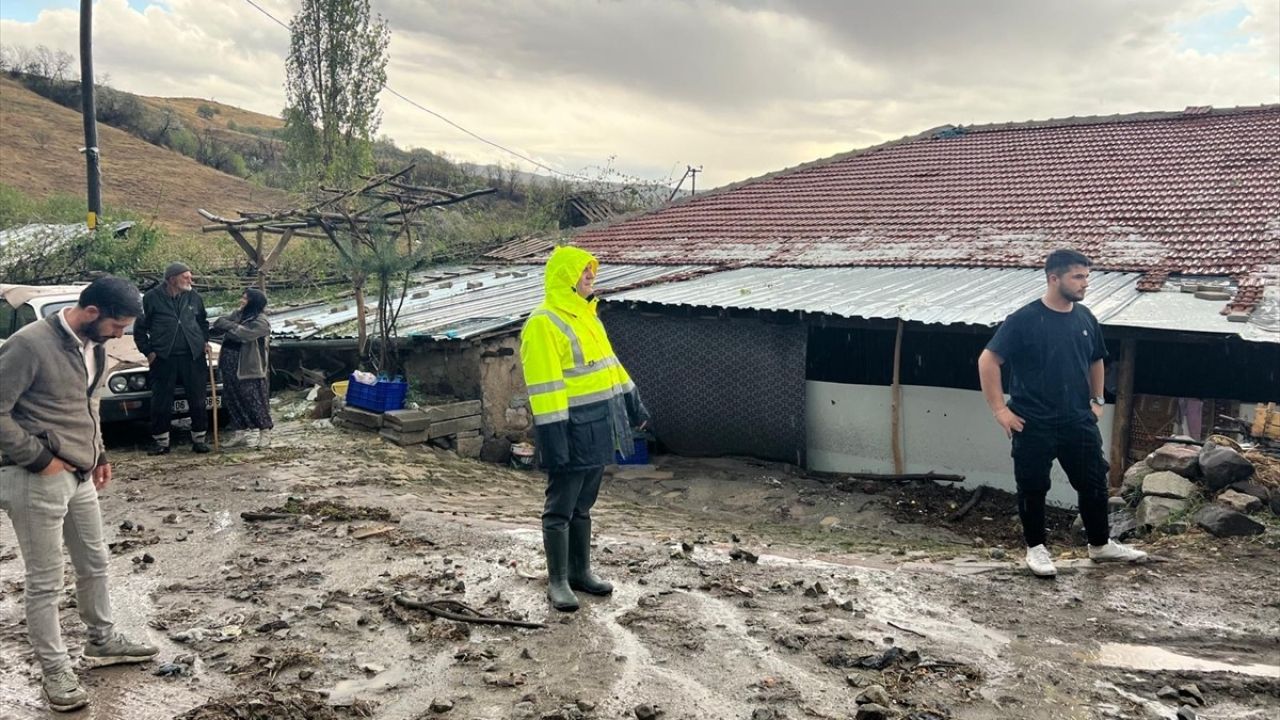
<point x="337" y="66"/>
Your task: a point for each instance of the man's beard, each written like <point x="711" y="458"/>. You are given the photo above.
<point x="1070" y="297"/>
<point x="93" y="331"/>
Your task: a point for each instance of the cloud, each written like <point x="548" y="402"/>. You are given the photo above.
<point x="742" y="87"/>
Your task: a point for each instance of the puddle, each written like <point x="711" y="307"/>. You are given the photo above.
<point x="347" y="691"/>
<point x="1146" y="657"/>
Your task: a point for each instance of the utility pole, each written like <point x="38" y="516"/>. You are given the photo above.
<point x="88" y="110"/>
<point x="689" y="170"/>
<point x="693" y="179"/>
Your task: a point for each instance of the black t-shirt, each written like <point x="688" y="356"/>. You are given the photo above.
<point x="1047" y="355"/>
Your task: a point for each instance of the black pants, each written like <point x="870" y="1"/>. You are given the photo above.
<point x="193" y="373"/>
<point x="570" y="495"/>
<point x="1078" y="448"/>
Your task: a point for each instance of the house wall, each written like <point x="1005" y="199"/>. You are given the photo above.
<point x="717" y="386"/>
<point x="944" y="430"/>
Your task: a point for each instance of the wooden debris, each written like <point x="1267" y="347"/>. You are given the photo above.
<point x="459" y="612"/>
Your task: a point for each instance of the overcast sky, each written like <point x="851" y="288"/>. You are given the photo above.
<point x="740" y="87"/>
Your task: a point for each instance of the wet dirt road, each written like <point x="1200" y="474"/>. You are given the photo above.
<point x="743" y="591"/>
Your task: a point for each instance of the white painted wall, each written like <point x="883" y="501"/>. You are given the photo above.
<point x="944" y="430"/>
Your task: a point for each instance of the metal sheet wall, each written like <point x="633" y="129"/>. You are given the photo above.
<point x="717" y="387"/>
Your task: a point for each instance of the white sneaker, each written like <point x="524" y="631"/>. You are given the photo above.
<point x="1115" y="552"/>
<point x="263" y="439"/>
<point x="1040" y="562"/>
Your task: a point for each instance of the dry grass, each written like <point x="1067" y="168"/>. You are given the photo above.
<point x="1266" y="468"/>
<point x="39" y="154"/>
<point x="186" y="109"/>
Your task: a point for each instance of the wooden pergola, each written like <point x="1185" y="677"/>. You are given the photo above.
<point x="382" y="200"/>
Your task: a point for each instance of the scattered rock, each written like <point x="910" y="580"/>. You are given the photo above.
<point x="874" y="694"/>
<point x="440" y="705"/>
<point x="1115" y="502"/>
<point x="1191" y="693"/>
<point x="815" y="590"/>
<point x="1167" y="693"/>
<point x="998" y="553"/>
<point x="1177" y="527"/>
<point x="524" y="710"/>
<point x="1176" y="457"/>
<point x="1154" y="511"/>
<point x="1240" y="502"/>
<point x="1275" y="503"/>
<point x="1249" y="487"/>
<point x="873" y="711"/>
<point x="1169" y="485"/>
<point x="764" y="714"/>
<point x="1134" y="476"/>
<point x="743" y="555"/>
<point x="646" y="712"/>
<point x="372" y="668"/>
<point x="1222" y="466"/>
<point x="1225" y="522"/>
<point x="1186" y="713"/>
<point x="1123" y="524"/>
<point x="306" y="674"/>
<point x="812" y="618"/>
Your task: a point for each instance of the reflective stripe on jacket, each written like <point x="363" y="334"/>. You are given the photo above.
<point x="583" y="401"/>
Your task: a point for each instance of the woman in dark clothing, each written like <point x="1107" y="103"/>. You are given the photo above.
<point x="243" y="367"/>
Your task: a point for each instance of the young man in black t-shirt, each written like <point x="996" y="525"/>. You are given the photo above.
<point x="1054" y="351"/>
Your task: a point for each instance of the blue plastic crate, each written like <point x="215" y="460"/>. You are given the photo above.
<point x="639" y="456"/>
<point x="385" y="395"/>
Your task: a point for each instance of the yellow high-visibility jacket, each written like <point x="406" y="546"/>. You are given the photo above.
<point x="583" y="401"/>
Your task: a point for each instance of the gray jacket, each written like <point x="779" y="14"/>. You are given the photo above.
<point x="47" y="405"/>
<point x="253" y="338"/>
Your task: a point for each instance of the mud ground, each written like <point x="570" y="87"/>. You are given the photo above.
<point x="744" y="590"/>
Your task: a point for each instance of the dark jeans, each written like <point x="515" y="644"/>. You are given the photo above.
<point x="193" y="373"/>
<point x="570" y="495"/>
<point x="1078" y="448"/>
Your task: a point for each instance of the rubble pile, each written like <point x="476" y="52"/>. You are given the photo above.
<point x="1214" y="487"/>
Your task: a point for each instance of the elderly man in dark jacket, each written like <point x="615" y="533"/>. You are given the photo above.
<point x="173" y="333"/>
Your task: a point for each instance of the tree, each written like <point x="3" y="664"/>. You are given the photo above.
<point x="337" y="66"/>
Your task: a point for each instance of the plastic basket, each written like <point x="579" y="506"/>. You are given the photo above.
<point x="638" y="456"/>
<point x="385" y="395"/>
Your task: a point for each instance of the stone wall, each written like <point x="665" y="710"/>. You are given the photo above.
<point x="487" y="370"/>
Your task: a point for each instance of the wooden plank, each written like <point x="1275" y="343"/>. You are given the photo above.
<point x="898" y="461"/>
<point x="438" y="413"/>
<point x="453" y="427"/>
<point x="1122" y="422"/>
<point x="399" y="438"/>
<point x="245" y="246"/>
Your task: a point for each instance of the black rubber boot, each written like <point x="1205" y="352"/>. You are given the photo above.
<point x="556" y="545"/>
<point x="580" y="577"/>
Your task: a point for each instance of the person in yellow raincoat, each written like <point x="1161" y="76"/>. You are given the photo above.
<point x="584" y="409"/>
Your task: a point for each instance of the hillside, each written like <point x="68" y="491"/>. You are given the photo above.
<point x="39" y="154"/>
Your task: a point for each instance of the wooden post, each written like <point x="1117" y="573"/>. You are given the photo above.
<point x="898" y="463"/>
<point x="1119" y="455"/>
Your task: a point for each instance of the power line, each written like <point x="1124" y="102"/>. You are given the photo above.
<point x="451" y="123"/>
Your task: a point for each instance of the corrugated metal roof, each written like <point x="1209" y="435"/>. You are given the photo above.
<point x="461" y="306"/>
<point x="975" y="296"/>
<point x="1187" y="313"/>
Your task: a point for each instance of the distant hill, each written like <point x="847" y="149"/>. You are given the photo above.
<point x="39" y="154"/>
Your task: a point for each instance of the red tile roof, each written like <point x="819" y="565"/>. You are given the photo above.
<point x="1194" y="193"/>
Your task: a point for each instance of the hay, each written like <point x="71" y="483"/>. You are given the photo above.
<point x="1266" y="468"/>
